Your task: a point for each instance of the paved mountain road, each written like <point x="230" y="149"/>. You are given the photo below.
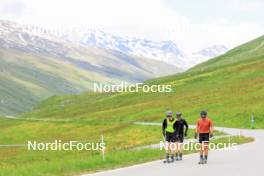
<point x="247" y="160"/>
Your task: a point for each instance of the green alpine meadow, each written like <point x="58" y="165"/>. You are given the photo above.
<point x="229" y="86"/>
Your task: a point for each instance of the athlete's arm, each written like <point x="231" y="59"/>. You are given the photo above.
<point x="186" y="127"/>
<point x="196" y="130"/>
<point x="211" y="128"/>
<point x="176" y="128"/>
<point x="164" y="125"/>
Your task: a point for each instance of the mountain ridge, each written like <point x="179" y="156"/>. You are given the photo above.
<point x="166" y="51"/>
<point x="35" y="67"/>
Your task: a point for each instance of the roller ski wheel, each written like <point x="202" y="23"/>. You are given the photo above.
<point x="166" y="161"/>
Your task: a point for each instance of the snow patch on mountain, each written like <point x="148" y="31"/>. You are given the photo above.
<point x="207" y="53"/>
<point x="165" y="51"/>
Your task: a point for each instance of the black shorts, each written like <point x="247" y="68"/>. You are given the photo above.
<point x="180" y="138"/>
<point x="203" y="137"/>
<point x="170" y="137"/>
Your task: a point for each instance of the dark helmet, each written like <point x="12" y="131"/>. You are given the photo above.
<point x="203" y="113"/>
<point x="169" y="113"/>
<point x="178" y="113"/>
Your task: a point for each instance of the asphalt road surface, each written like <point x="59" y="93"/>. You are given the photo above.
<point x="247" y="160"/>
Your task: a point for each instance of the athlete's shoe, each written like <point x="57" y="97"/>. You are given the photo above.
<point x="205" y="161"/>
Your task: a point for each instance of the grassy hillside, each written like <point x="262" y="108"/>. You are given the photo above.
<point x="27" y="78"/>
<point x="17" y="160"/>
<point x="34" y="67"/>
<point x="230" y="87"/>
<point x="121" y="139"/>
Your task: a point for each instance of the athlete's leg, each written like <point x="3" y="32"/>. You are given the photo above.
<point x="206" y="143"/>
<point x="206" y="151"/>
<point x="167" y="147"/>
<point x="173" y="149"/>
<point x="176" y="150"/>
<point x="180" y="148"/>
<point x="201" y="148"/>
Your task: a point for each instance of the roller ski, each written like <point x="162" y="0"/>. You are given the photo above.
<point x="201" y="161"/>
<point x="172" y="159"/>
<point x="180" y="157"/>
<point x="166" y="161"/>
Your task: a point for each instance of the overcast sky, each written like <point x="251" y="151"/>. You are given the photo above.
<point x="192" y="24"/>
